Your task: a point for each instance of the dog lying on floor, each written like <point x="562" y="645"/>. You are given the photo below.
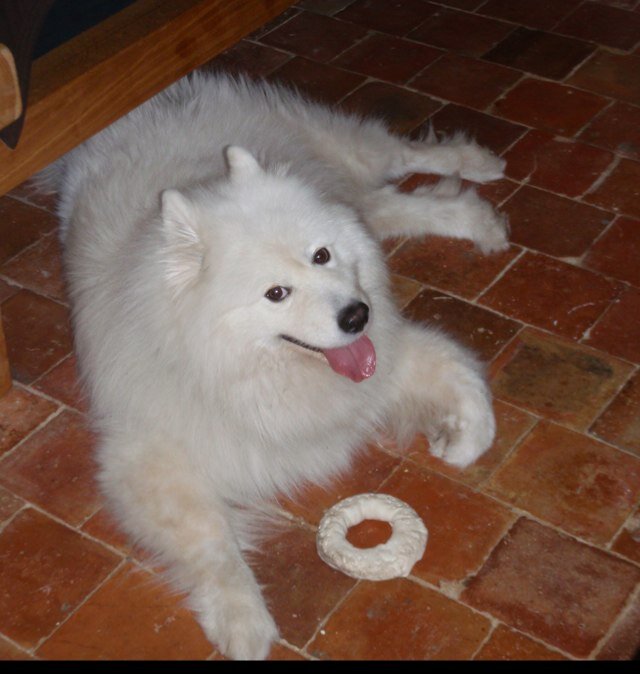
<point x="234" y="323"/>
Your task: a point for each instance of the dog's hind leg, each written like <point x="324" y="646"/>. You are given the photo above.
<point x="164" y="506"/>
<point x="441" y="210"/>
<point x="457" y="155"/>
<point x="440" y="391"/>
<point x="369" y="157"/>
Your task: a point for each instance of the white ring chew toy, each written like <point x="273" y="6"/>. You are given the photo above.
<point x="392" y="559"/>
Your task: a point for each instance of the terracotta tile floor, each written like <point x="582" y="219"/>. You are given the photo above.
<point x="534" y="552"/>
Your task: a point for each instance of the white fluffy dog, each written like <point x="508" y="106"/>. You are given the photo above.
<point x="234" y="323"/>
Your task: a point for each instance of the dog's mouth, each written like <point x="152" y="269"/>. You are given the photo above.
<point x="356" y="360"/>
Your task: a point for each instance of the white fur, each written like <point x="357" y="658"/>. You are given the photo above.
<point x="176" y="221"/>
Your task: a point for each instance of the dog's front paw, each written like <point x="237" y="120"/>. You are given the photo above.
<point x="242" y="630"/>
<point x="461" y="438"/>
<point x="480" y="165"/>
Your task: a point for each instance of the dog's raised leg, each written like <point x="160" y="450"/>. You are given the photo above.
<point x="442" y="210"/>
<point x="457" y="155"/>
<point x="163" y="506"/>
<point x="441" y="392"/>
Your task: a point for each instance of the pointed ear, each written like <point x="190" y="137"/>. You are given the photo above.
<point x="184" y="249"/>
<point x="241" y="162"/>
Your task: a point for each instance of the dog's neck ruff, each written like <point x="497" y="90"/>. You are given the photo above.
<point x="357" y="360"/>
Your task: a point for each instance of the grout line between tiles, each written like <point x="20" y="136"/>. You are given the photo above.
<point x="494" y="626"/>
<point x="498" y="277"/>
<point x="620" y="617"/>
<point x="322" y="624"/>
<point x="635" y="513"/>
<point x="602" y="178"/>
<point x="23" y="649"/>
<point x="86" y="598"/>
<point x="32" y="432"/>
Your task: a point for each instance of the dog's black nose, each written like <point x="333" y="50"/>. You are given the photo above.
<point x="354" y="317"/>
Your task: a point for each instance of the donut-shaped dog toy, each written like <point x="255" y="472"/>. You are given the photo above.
<point x="392" y="559"/>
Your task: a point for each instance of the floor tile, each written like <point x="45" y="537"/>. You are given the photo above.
<point x="54" y="468"/>
<point x="10" y="652"/>
<point x="404" y="290"/>
<point x="388" y="16"/>
<point x="62" y="383"/>
<point x="278" y="20"/>
<point x="299" y="587"/>
<point x="38" y="334"/>
<point x="9" y="505"/>
<point x="369" y="533"/>
<point x="534" y="215"/>
<point x="551" y="294"/>
<point x="451" y="265"/>
<point x="46" y="571"/>
<point x="461" y="32"/>
<point x="542" y="14"/>
<point x="387" y="58"/>
<point x="569" y="480"/>
<point x="619" y="424"/>
<point x="556" y="164"/>
<point x="624" y="642"/>
<point x="468" y="5"/>
<point x="131" y="617"/>
<point x="556" y="379"/>
<point x="39" y="268"/>
<point x="618" y="331"/>
<point x="549" y="106"/>
<point x="399" y="620"/>
<point x="512" y="424"/>
<point x="610" y="74"/>
<point x="484" y="332"/>
<point x="617" y="128"/>
<point x="315" y="36"/>
<point x="7" y="290"/>
<point x="28" y="192"/>
<point x="607" y="25"/>
<point x="104" y="527"/>
<point x="280" y="652"/>
<point x="21" y="225"/>
<point x="465" y="80"/>
<point x="402" y="110"/>
<point x="507" y="644"/>
<point x="20" y="413"/>
<point x="463" y="525"/>
<point x="627" y="542"/>
<point x="248" y="58"/>
<point x="620" y="191"/>
<point x="545" y="54"/>
<point x="492" y="132"/>
<point x="328" y="7"/>
<point x="552" y="587"/>
<point x="368" y="472"/>
<point x="320" y="81"/>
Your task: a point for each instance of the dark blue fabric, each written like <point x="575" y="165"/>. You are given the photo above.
<point x="68" y="18"/>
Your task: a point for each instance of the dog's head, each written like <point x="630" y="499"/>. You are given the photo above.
<point x="264" y="260"/>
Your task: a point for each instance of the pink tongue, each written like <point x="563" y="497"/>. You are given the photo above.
<point x="356" y="361"/>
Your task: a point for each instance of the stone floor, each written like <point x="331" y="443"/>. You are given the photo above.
<point x="534" y="551"/>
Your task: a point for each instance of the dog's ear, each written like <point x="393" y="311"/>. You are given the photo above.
<point x="241" y="163"/>
<point x="183" y="250"/>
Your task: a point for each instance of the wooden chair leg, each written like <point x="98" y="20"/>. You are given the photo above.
<point x="5" y="372"/>
<point x="10" y="100"/>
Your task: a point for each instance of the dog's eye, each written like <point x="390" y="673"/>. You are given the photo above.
<point x="321" y="256"/>
<point x="277" y="293"/>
